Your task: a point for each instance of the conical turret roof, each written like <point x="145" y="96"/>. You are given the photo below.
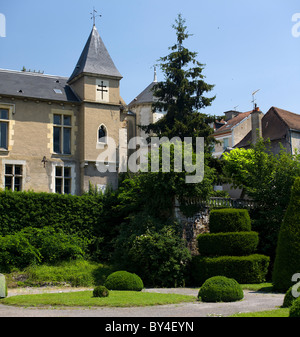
<point x="95" y="59"/>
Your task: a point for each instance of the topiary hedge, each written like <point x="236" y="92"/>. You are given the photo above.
<point x="220" y="289"/>
<point x="229" y="220"/>
<point x="123" y="280"/>
<point x="228" y="250"/>
<point x="238" y="244"/>
<point x="244" y="269"/>
<point x="287" y="261"/>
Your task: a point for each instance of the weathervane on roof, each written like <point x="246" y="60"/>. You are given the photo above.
<point x="253" y="98"/>
<point x="94" y="15"/>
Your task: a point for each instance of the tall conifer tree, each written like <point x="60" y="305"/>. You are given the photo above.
<point x="181" y="95"/>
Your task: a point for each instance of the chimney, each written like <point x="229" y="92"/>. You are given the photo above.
<point x="256" y="124"/>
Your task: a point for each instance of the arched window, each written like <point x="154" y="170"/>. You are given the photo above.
<point x="102" y="134"/>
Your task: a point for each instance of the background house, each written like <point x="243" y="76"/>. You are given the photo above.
<point x="281" y="127"/>
<point x="231" y="130"/>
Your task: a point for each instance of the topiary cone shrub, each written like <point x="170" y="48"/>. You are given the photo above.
<point x="220" y="289"/>
<point x="295" y="308"/>
<point x="289" y="298"/>
<point x="123" y="280"/>
<point x="228" y="250"/>
<point x="3" y="286"/>
<point x="287" y="260"/>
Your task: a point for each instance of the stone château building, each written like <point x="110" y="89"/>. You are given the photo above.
<point x="52" y="129"/>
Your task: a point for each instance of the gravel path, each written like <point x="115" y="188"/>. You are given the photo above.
<point x="253" y="301"/>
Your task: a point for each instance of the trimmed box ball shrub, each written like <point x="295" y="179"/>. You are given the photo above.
<point x="295" y="308"/>
<point x="229" y="220"/>
<point x="237" y="244"/>
<point x="244" y="269"/>
<point x="123" y="280"/>
<point x="287" y="260"/>
<point x="100" y="291"/>
<point x="220" y="289"/>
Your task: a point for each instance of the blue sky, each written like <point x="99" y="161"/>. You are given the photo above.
<point x="246" y="45"/>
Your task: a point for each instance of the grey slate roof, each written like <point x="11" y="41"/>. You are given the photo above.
<point x="95" y="59"/>
<point x="35" y="85"/>
<point x="145" y="96"/>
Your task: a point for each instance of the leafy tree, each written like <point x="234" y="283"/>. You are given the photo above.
<point x="155" y="192"/>
<point x="181" y="95"/>
<point x="267" y="179"/>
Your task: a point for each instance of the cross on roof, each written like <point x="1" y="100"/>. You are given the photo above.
<point x="94" y="15"/>
<point x="102" y="90"/>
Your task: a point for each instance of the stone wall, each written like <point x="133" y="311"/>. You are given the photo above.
<point x="193" y="226"/>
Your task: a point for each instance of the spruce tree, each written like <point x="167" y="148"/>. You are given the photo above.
<point x="181" y="94"/>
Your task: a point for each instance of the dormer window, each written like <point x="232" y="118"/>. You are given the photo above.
<point x="102" y="134"/>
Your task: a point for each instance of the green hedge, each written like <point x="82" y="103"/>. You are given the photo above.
<point x="229" y="220"/>
<point x="237" y="244"/>
<point x="73" y="214"/>
<point x="244" y="269"/>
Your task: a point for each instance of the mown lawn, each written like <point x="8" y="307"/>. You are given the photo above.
<point x="86" y="299"/>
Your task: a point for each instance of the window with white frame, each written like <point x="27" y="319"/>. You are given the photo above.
<point x="63" y="180"/>
<point x="62" y="130"/>
<point x="13" y="177"/>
